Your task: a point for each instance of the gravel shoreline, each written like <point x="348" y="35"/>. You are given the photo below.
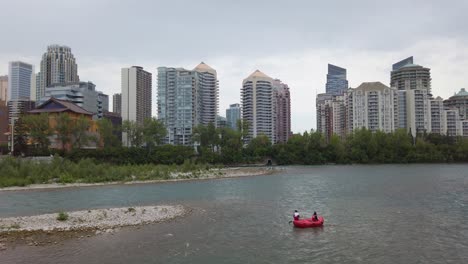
<point x="212" y="174"/>
<point x="99" y="219"/>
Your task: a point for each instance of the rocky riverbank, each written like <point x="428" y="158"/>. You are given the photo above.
<point x="53" y="228"/>
<point x="209" y="174"/>
<point x="92" y="219"/>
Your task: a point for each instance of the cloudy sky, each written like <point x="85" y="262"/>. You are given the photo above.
<point x="289" y="40"/>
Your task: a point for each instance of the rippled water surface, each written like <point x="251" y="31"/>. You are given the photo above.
<point x="373" y="214"/>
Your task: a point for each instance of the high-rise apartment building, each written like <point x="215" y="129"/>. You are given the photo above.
<point x="460" y="102"/>
<point x="414" y="110"/>
<point x="186" y="99"/>
<point x="324" y="114"/>
<point x="332" y="115"/>
<point x="221" y="122"/>
<point x="58" y="66"/>
<point x="436" y="111"/>
<point x="337" y="83"/>
<point x="83" y="94"/>
<point x="136" y="94"/>
<point x="4" y="124"/>
<point x="373" y="107"/>
<point x="117" y="103"/>
<point x="452" y="125"/>
<point x="282" y="109"/>
<point x="19" y="81"/>
<point x="4" y="88"/>
<point x="208" y="88"/>
<point x="32" y="89"/>
<point x="233" y="115"/>
<point x="258" y="105"/>
<point x="408" y="76"/>
<point x="18" y="107"/>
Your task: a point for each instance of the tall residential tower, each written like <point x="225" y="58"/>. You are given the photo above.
<point x="117" y="103"/>
<point x="233" y="114"/>
<point x="136" y="96"/>
<point x="19" y="81"/>
<point x="258" y="105"/>
<point x="58" y="66"/>
<point x="337" y="83"/>
<point x="283" y="111"/>
<point x="186" y="99"/>
<point x="408" y="76"/>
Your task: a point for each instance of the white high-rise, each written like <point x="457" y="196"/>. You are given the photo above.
<point x="373" y="106"/>
<point x="436" y="110"/>
<point x="136" y="96"/>
<point x="414" y="110"/>
<point x="258" y="105"/>
<point x="19" y="81"/>
<point x="58" y="66"/>
<point x="186" y="99"/>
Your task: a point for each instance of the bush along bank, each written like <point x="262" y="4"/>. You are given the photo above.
<point x="21" y="172"/>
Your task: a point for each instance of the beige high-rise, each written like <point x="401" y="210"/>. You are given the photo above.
<point x="258" y="106"/>
<point x="3" y="88"/>
<point x="136" y="96"/>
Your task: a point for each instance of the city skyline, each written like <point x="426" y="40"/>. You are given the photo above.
<point x="298" y="56"/>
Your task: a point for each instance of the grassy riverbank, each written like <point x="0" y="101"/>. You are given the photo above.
<point x="20" y="172"/>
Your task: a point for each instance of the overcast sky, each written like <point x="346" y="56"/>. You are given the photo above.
<point x="289" y="40"/>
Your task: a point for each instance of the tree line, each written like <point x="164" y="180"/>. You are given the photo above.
<point x="230" y="147"/>
<point x="33" y="133"/>
<point x="226" y="146"/>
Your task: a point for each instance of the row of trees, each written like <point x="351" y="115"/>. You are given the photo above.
<point x="225" y="146"/>
<point x="36" y="131"/>
<point x="150" y="134"/>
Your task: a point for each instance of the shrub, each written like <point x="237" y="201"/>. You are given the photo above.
<point x="62" y="216"/>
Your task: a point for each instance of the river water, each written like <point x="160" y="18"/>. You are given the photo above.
<point x="373" y="214"/>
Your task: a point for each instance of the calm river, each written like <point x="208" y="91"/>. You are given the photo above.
<point x="373" y="214"/>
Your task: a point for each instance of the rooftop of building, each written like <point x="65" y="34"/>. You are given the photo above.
<point x="111" y="114"/>
<point x="372" y="86"/>
<point x="461" y="93"/>
<point x="258" y="74"/>
<point x="203" y="67"/>
<point x="54" y="46"/>
<point x="54" y="105"/>
<point x="410" y="66"/>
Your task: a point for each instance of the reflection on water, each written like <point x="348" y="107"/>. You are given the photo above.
<point x="373" y="214"/>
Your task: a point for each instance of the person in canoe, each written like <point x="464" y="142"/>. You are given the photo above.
<point x="296" y="215"/>
<point x="314" y="216"/>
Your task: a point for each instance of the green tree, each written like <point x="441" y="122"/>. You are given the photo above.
<point x="134" y="133"/>
<point x="107" y="133"/>
<point x="258" y="148"/>
<point x="243" y="126"/>
<point x="154" y="132"/>
<point x="208" y="138"/>
<point x="20" y="137"/>
<point x="231" y="145"/>
<point x="81" y="136"/>
<point x="38" y="128"/>
<point x="64" y="129"/>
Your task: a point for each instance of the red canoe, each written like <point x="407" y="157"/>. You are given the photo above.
<point x="305" y="223"/>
